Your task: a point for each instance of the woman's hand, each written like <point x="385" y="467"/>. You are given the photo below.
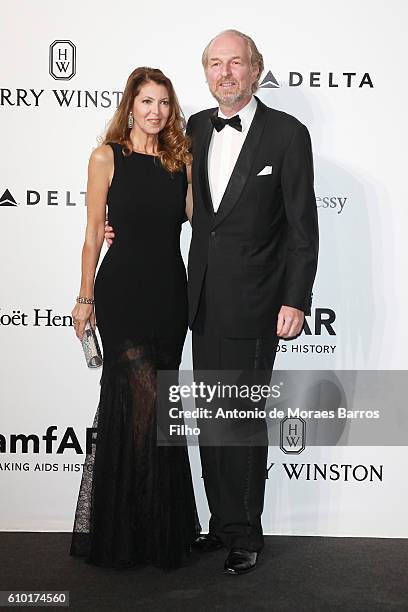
<point x="80" y="315"/>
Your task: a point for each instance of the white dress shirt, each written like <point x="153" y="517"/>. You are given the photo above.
<point x="225" y="146"/>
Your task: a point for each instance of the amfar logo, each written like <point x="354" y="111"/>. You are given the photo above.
<point x="34" y="444"/>
<point x="319" y="322"/>
<point x="320" y="319"/>
<point x="319" y="79"/>
<point x="62" y="60"/>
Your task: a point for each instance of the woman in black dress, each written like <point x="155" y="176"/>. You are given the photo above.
<point x="136" y="501"/>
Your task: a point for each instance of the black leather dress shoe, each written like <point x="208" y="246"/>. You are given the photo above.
<point x="240" y="561"/>
<point x="206" y="542"/>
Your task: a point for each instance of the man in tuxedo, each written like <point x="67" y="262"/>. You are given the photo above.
<point x="251" y="268"/>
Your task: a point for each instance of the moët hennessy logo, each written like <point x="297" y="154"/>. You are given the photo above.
<point x="62" y="60"/>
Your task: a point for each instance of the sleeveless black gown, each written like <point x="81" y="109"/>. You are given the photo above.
<point x="136" y="500"/>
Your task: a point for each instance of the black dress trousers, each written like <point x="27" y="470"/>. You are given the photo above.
<point x="234" y="474"/>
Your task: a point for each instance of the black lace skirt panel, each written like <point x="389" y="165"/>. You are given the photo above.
<point x="136" y="500"/>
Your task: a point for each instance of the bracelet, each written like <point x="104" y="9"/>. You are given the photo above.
<point x="85" y="300"/>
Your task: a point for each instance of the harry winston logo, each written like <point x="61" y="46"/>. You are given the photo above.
<point x="269" y="81"/>
<point x="292" y="435"/>
<point x="62" y="60"/>
<point x="7" y="199"/>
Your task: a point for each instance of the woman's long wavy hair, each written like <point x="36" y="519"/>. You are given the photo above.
<point x="173" y="145"/>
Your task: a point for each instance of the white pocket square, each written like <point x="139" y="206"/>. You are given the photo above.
<point x="266" y="170"/>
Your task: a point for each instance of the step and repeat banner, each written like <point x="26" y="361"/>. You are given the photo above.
<point x="340" y="72"/>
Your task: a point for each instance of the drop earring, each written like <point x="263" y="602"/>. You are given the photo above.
<point x="130" y="120"/>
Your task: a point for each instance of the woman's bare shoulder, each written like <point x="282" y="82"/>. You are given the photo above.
<point x="102" y="155"/>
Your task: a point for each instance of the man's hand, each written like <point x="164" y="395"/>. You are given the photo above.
<point x="109" y="234"/>
<point x="290" y="322"/>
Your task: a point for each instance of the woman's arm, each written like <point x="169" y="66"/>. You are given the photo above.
<point x="189" y="197"/>
<point x="100" y="171"/>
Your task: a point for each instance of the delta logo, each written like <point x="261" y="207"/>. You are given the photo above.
<point x="7" y="199"/>
<point x="50" y="197"/>
<point x="319" y="79"/>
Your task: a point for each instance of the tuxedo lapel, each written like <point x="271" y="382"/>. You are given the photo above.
<point x="203" y="164"/>
<point x="243" y="165"/>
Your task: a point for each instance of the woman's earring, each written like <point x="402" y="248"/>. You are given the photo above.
<point x="130" y="120"/>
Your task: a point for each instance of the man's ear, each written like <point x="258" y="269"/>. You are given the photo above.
<point x="256" y="73"/>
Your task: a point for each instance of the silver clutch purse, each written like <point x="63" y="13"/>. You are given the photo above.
<point x="91" y="348"/>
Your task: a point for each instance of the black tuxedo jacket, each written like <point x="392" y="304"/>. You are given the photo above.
<point x="259" y="251"/>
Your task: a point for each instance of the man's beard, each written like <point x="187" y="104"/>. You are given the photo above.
<point x="231" y="98"/>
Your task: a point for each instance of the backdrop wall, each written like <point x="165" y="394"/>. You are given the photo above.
<point x="338" y="69"/>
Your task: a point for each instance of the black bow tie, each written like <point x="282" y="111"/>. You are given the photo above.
<point x="219" y="123"/>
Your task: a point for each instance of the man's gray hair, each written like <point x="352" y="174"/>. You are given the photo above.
<point x="255" y="57"/>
